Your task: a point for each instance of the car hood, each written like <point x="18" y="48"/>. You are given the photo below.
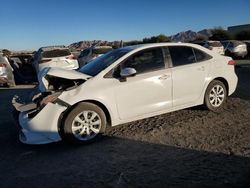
<point x="46" y="73"/>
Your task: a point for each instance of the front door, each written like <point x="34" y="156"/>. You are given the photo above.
<point x="147" y="92"/>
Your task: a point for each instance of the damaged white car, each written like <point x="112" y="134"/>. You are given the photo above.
<point x="124" y="85"/>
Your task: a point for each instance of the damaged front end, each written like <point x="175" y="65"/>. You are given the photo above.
<point x="38" y="119"/>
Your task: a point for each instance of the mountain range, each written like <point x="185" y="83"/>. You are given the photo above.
<point x="86" y="44"/>
<point x="185" y="36"/>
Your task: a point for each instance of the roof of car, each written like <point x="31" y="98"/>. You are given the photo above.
<point x="158" y="45"/>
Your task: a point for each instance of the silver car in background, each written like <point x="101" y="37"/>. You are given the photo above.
<point x="55" y="56"/>
<point x="234" y="48"/>
<point x="91" y="53"/>
<point x="247" y="42"/>
<point x="3" y="71"/>
<point x="215" y="46"/>
<point x="6" y="72"/>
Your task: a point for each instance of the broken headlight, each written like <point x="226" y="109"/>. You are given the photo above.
<point x="50" y="98"/>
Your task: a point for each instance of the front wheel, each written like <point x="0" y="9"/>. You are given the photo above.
<point x="215" y="96"/>
<point x="85" y="123"/>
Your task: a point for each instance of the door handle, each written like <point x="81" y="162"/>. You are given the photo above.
<point x="201" y="68"/>
<point x="164" y="77"/>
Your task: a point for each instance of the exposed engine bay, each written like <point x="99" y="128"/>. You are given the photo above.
<point x="52" y="82"/>
<point x="61" y="84"/>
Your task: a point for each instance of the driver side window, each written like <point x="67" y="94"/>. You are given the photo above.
<point x="145" y="61"/>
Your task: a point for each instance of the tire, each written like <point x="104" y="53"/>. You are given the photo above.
<point x="84" y="124"/>
<point x="215" y="96"/>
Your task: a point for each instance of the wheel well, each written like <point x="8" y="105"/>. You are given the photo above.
<point x="224" y="81"/>
<point x="103" y="107"/>
<point x="64" y="114"/>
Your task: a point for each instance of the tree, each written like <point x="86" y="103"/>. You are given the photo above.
<point x="162" y="38"/>
<point x="201" y="37"/>
<point x="155" y="39"/>
<point x="243" y="35"/>
<point x="132" y="42"/>
<point x="220" y="34"/>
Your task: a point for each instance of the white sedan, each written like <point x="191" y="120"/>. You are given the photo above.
<point x="124" y="85"/>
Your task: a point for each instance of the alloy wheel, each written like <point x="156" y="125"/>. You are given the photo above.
<point x="86" y="125"/>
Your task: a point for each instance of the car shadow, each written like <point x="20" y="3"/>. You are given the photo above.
<point x="120" y="162"/>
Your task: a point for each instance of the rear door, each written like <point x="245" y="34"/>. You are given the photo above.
<point x="188" y="73"/>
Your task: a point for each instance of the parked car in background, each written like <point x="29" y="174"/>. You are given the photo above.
<point x="91" y="53"/>
<point x="24" y="71"/>
<point x="247" y="42"/>
<point x="215" y="46"/>
<point x="6" y="70"/>
<point x="235" y="49"/>
<point x="3" y="71"/>
<point x="55" y="56"/>
<point x="16" y="69"/>
<point x="124" y="85"/>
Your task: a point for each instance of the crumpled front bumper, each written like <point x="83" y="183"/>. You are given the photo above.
<point x="43" y="127"/>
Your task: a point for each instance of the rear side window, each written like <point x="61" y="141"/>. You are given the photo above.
<point x="201" y="56"/>
<point x="146" y="61"/>
<point x="181" y="55"/>
<point x="56" y="53"/>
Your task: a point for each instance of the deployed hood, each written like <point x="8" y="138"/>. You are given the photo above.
<point x="59" y="79"/>
<point x="68" y="74"/>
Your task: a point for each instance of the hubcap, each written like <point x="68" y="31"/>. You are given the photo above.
<point x="86" y="125"/>
<point x="216" y="96"/>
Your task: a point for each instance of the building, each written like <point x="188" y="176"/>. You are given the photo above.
<point x="238" y="28"/>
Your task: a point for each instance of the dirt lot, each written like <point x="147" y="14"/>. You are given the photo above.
<point x="188" y="148"/>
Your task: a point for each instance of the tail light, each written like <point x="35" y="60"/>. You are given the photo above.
<point x="44" y="61"/>
<point x="231" y="62"/>
<point x="71" y="57"/>
<point x="2" y="65"/>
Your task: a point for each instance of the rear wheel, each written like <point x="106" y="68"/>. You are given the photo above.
<point x="215" y="96"/>
<point x="85" y="123"/>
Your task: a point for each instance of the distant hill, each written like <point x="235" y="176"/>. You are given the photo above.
<point x="185" y="36"/>
<point x="206" y="32"/>
<point x="78" y="46"/>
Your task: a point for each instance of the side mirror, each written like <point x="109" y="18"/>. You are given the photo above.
<point x="127" y="72"/>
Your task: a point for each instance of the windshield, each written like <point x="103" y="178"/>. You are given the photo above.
<point x="95" y="66"/>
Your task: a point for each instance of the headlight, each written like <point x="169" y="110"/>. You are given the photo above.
<point x="50" y="98"/>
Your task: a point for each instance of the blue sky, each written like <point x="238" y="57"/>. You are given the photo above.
<point x="30" y="24"/>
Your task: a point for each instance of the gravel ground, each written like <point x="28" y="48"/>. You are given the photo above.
<point x="187" y="148"/>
